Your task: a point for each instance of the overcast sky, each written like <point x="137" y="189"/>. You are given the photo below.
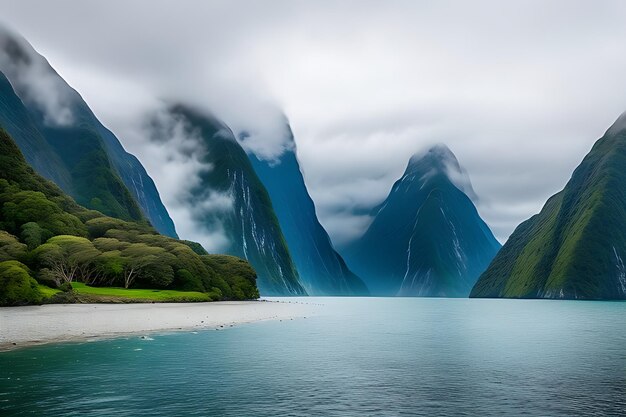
<point x="518" y="90"/>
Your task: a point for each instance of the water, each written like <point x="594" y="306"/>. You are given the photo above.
<point x="360" y="357"/>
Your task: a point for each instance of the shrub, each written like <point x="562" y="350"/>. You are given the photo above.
<point x="17" y="287"/>
<point x="186" y="281"/>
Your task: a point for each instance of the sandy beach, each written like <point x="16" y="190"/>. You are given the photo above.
<point x="31" y="325"/>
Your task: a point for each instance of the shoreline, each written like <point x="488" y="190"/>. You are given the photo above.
<point x="27" y="326"/>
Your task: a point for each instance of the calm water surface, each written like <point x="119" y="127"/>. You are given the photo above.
<point x="360" y="357"/>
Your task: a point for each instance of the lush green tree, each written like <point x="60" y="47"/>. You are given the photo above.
<point x="34" y="235"/>
<point x="195" y="246"/>
<point x="111" y="268"/>
<point x="16" y="285"/>
<point x="150" y="265"/>
<point x="45" y="276"/>
<point x="187" y="281"/>
<point x="20" y="207"/>
<point x="108" y="244"/>
<point x="11" y="248"/>
<point x="234" y="277"/>
<point x="69" y="257"/>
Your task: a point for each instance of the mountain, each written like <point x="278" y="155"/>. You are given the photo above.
<point x="322" y="270"/>
<point x="63" y="140"/>
<point x="230" y="198"/>
<point x="47" y="240"/>
<point x="426" y="239"/>
<point x="576" y="246"/>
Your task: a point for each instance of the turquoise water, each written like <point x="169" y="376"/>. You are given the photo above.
<point x="360" y="357"/>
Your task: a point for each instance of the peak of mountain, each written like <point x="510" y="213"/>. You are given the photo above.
<point x="439" y="160"/>
<point x="575" y="247"/>
<point x="322" y="270"/>
<point x="427" y="238"/>
<point x="248" y="220"/>
<point x="64" y="141"/>
<point x="436" y="157"/>
<point x="618" y="126"/>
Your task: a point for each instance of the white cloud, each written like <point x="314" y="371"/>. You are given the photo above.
<point x="33" y="78"/>
<point x="519" y="90"/>
<point x="175" y="157"/>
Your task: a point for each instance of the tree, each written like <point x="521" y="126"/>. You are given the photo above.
<point x="34" y="235"/>
<point x="69" y="257"/>
<point x="22" y="207"/>
<point x="153" y="265"/>
<point x="108" y="244"/>
<point x="111" y="266"/>
<point x="10" y="247"/>
<point x="16" y="285"/>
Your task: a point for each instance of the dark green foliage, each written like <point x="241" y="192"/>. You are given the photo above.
<point x="22" y="207"/>
<point x="34" y="235"/>
<point x="574" y="247"/>
<point x="11" y="248"/>
<point x="68" y="257"/>
<point x="233" y="276"/>
<point x="98" y="226"/>
<point x="196" y="247"/>
<point x="186" y="281"/>
<point x="49" y="278"/>
<point x="64" y="242"/>
<point x="17" y="287"/>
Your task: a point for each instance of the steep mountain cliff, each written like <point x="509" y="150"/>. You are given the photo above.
<point x="64" y="141"/>
<point x="229" y="198"/>
<point x="576" y="246"/>
<point x="426" y="239"/>
<point x="322" y="270"/>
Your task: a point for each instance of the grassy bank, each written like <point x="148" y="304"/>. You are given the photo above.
<point x="82" y="293"/>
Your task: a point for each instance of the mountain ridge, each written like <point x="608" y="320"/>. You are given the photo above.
<point x="575" y="246"/>
<point x="322" y="270"/>
<point x="427" y="238"/>
<point x="81" y="155"/>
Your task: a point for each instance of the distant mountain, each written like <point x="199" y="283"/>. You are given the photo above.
<point x="322" y="270"/>
<point x="426" y="239"/>
<point x="576" y="246"/>
<point x="245" y="214"/>
<point x="64" y="141"/>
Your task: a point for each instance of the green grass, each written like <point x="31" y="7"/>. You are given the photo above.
<point x="46" y="291"/>
<point x="142" y="294"/>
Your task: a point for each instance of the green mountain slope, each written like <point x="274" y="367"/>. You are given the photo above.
<point x="574" y="248"/>
<point x="247" y="217"/>
<point x="63" y="140"/>
<point x="45" y="235"/>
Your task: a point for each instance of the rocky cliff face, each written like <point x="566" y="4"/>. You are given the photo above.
<point x="322" y="270"/>
<point x="427" y="238"/>
<point x="229" y="198"/>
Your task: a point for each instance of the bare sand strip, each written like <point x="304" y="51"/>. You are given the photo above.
<point x="31" y="325"/>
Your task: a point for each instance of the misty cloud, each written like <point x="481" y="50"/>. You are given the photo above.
<point x="35" y="81"/>
<point x="519" y="90"/>
<point x="174" y="155"/>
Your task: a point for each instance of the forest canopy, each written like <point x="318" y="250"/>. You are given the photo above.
<point x="46" y="238"/>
